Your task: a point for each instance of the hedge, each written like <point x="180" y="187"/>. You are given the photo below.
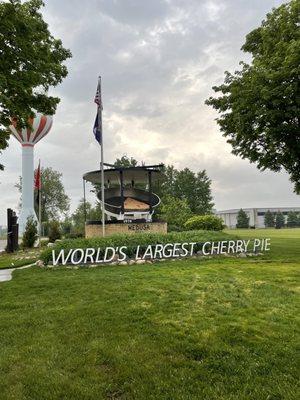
<point x="132" y="241"/>
<point x="207" y="222"/>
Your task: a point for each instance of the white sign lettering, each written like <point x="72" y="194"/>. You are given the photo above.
<point x="158" y="251"/>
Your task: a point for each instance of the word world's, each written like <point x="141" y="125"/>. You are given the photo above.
<point x="158" y="251"/>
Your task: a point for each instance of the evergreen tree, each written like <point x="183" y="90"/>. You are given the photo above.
<point x="292" y="219"/>
<point x="30" y="233"/>
<point x="279" y="220"/>
<point x="242" y="219"/>
<point x="269" y="219"/>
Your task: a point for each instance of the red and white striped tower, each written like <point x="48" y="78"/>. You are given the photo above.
<point x="40" y="125"/>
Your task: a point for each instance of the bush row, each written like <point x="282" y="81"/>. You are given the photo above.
<point x="132" y="241"/>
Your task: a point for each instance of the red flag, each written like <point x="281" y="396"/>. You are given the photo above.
<point x="37" y="178"/>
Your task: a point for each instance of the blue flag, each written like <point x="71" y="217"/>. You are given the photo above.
<point x="98" y="129"/>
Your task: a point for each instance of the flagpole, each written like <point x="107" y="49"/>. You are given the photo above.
<point x="102" y="160"/>
<point x="40" y="206"/>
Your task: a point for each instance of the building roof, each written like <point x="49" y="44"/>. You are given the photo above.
<point x="260" y="209"/>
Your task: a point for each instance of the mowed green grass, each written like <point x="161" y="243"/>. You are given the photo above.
<point x="285" y="243"/>
<point x="196" y="329"/>
<point x="17" y="259"/>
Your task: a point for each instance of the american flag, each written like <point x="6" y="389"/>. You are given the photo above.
<point x="98" y="99"/>
<point x="97" y="129"/>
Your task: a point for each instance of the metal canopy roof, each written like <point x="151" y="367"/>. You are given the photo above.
<point x="137" y="174"/>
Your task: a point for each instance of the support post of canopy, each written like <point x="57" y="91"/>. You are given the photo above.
<point x="84" y="202"/>
<point x="122" y="191"/>
<point x="150" y="190"/>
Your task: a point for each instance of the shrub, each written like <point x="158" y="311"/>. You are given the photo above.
<point x="206" y="222"/>
<point x="175" y="228"/>
<point x="74" y="234"/>
<point x="44" y="243"/>
<point x="175" y="211"/>
<point x="30" y="233"/>
<point x="140" y="239"/>
<point x="54" y="231"/>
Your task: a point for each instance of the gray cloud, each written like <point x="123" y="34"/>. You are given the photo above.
<point x="159" y="60"/>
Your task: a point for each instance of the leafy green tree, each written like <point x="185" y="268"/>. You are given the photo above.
<point x="84" y="213"/>
<point x="54" y="231"/>
<point x="166" y="187"/>
<point x="242" y="219"/>
<point x="269" y="219"/>
<point x="55" y="202"/>
<point x="175" y="212"/>
<point x="279" y="220"/>
<point x="259" y="104"/>
<point x="292" y="219"/>
<point x="194" y="188"/>
<point x="66" y="225"/>
<point x="31" y="62"/>
<point x="204" y="203"/>
<point x="30" y="234"/>
<point x="125" y="161"/>
<point x="189" y="186"/>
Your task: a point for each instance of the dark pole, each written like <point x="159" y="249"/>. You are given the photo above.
<point x="9" y="247"/>
<point x="84" y="203"/>
<point x="150" y="190"/>
<point x="15" y="231"/>
<point x="122" y="191"/>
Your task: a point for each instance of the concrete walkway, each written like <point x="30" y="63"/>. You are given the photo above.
<point x="6" y="274"/>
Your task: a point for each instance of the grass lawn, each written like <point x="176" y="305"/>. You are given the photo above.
<point x="19" y="258"/>
<point x="285" y="243"/>
<point x="213" y="329"/>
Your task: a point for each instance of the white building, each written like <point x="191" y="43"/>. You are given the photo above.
<point x="256" y="215"/>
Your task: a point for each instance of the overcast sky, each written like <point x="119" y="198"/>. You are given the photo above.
<point x="158" y="60"/>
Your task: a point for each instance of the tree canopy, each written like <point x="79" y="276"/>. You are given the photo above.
<point x="194" y="188"/>
<point x="175" y="212"/>
<point x="125" y="161"/>
<point x="269" y="219"/>
<point x="292" y="219"/>
<point x="84" y="212"/>
<point x="279" y="220"/>
<point x="242" y="219"/>
<point x="55" y="202"/>
<point x="260" y="104"/>
<point x="31" y="62"/>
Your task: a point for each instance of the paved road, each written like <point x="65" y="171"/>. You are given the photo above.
<point x="2" y="244"/>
